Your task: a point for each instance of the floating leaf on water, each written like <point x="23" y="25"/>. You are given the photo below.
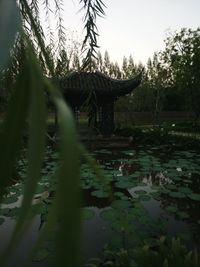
<point x="13" y="212"/>
<point x="185" y="190"/>
<point x="9" y="200"/>
<point x="165" y="191"/>
<point x="120" y="195"/>
<point x="140" y="192"/>
<point x="194" y="196"/>
<point x="144" y="197"/>
<point x="41" y="255"/>
<point x="171" y="186"/>
<point x="124" y="184"/>
<point x="155" y="195"/>
<point x="87" y="214"/>
<point x="100" y="194"/>
<point x="183" y="215"/>
<point x="108" y="215"/>
<point x="121" y="204"/>
<point x="4" y="211"/>
<point x="176" y="178"/>
<point x="1" y="220"/>
<point x="176" y="195"/>
<point x="171" y="209"/>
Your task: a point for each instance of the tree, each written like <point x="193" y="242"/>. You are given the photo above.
<point x="157" y="82"/>
<point x="182" y="56"/>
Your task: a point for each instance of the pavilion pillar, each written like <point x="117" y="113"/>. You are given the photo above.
<point x="106" y="118"/>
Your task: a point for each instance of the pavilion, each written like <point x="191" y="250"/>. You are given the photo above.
<point x="100" y="92"/>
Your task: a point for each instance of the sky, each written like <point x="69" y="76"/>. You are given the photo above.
<point x="136" y="27"/>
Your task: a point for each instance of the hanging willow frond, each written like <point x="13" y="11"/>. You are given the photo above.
<point x="94" y="9"/>
<point x="60" y="27"/>
<point x="50" y="33"/>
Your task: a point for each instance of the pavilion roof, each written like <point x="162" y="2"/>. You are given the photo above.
<point x="103" y="85"/>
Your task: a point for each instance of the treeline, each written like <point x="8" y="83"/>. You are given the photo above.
<point x="170" y="79"/>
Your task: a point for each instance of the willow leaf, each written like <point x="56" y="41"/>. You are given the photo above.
<point x="9" y="25"/>
<point x="13" y="129"/>
<point x="67" y="195"/>
<point x="37" y="122"/>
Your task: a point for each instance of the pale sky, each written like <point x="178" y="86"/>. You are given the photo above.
<point x="136" y="27"/>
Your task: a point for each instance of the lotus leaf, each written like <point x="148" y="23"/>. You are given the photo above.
<point x="194" y="196"/>
<point x="13" y="212"/>
<point x="176" y="195"/>
<point x="120" y="195"/>
<point x="155" y="195"/>
<point x="144" y="197"/>
<point x="4" y="211"/>
<point x="41" y="255"/>
<point x="171" y="186"/>
<point x="100" y="194"/>
<point x="140" y="192"/>
<point x="165" y="191"/>
<point x="121" y="204"/>
<point x="171" y="209"/>
<point x="9" y="200"/>
<point x="185" y="190"/>
<point x="124" y="184"/>
<point x="183" y="215"/>
<point x="108" y="215"/>
<point x="87" y="214"/>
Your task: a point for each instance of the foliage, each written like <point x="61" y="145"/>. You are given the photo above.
<point x="182" y="56"/>
<point x="162" y="255"/>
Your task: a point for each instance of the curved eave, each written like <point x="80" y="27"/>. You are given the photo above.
<point x="80" y="83"/>
<point x="126" y="86"/>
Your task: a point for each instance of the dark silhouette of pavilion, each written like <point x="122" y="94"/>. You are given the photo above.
<point x="100" y="92"/>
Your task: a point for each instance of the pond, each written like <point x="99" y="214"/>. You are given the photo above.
<point x="147" y="192"/>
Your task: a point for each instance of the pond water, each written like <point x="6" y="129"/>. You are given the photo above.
<point x="155" y="191"/>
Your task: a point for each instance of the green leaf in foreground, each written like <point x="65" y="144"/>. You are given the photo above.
<point x="9" y="26"/>
<point x="13" y="127"/>
<point x="32" y="83"/>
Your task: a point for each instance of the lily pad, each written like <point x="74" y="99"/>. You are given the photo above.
<point x="171" y="209"/>
<point x="185" y="190"/>
<point x="9" y="200"/>
<point x="183" y="215"/>
<point x="100" y="194"/>
<point x="140" y="192"/>
<point x="87" y="214"/>
<point x="13" y="212"/>
<point x="171" y="186"/>
<point x="124" y="184"/>
<point x="194" y="196"/>
<point x="41" y="255"/>
<point x="121" y="204"/>
<point x="177" y="195"/>
<point x="108" y="215"/>
<point x="143" y="197"/>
